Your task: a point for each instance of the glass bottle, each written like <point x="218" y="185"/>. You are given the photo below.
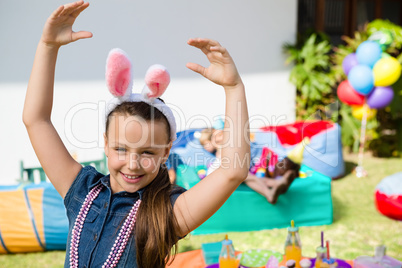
<point x="227" y="258"/>
<point x="321" y="254"/>
<point x="293" y="245"/>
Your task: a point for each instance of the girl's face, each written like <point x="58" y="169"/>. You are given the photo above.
<point x="135" y="149"/>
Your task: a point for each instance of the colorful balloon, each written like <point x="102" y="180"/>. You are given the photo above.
<point x="357" y="112"/>
<point x="348" y="95"/>
<point x="368" y="53"/>
<point x="383" y="37"/>
<point x="349" y="62"/>
<point x="380" y="97"/>
<point x="386" y="72"/>
<point x="361" y="78"/>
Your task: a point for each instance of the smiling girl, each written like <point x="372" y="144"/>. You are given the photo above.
<point x="133" y="216"/>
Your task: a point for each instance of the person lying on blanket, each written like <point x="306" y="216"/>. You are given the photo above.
<point x="267" y="176"/>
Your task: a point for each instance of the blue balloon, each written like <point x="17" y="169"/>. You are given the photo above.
<point x="368" y="53"/>
<point x="361" y="78"/>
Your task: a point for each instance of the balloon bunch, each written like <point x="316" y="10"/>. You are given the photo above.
<point x="370" y="72"/>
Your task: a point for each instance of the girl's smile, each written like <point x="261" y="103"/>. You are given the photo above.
<point x="131" y="178"/>
<point x="135" y="149"/>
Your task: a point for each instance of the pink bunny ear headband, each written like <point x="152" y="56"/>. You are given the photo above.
<point x="119" y="79"/>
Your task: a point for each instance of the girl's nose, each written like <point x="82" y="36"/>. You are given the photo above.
<point x="134" y="161"/>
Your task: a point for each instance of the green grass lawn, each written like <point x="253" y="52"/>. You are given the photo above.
<point x="357" y="228"/>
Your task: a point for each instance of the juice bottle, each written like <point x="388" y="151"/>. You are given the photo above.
<point x="293" y="245"/>
<point x="228" y="263"/>
<point x="227" y="258"/>
<point x="321" y="254"/>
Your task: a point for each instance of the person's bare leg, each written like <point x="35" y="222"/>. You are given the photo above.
<point x="281" y="186"/>
<point x="258" y="185"/>
<point x="269" y="182"/>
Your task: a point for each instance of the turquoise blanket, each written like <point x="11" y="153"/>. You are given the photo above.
<point x="308" y="202"/>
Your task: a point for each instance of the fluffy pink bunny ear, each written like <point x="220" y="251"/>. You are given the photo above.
<point x="157" y="80"/>
<point x="119" y="75"/>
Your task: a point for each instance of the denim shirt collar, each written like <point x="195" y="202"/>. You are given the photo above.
<point x="106" y="182"/>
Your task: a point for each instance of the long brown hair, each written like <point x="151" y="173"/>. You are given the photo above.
<point x="156" y="228"/>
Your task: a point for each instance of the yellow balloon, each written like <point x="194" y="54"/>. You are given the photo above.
<point x="357" y="112"/>
<point x="386" y="71"/>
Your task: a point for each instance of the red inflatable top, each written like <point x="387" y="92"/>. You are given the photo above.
<point x="292" y="134"/>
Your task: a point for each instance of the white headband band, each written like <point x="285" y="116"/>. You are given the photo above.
<point x="119" y="81"/>
<point x="158" y="104"/>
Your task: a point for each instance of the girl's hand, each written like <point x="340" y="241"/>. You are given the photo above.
<point x="58" y="27"/>
<point x="222" y="69"/>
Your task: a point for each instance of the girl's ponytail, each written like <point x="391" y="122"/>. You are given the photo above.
<point x="156" y="226"/>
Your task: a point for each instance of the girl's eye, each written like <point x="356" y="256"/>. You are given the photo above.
<point x="148" y="152"/>
<point x="121" y="150"/>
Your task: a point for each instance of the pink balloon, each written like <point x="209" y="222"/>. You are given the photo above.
<point x="380" y="97"/>
<point x="348" y="95"/>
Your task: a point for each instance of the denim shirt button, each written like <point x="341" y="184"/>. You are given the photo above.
<point x="95" y="237"/>
<point x="105" y="206"/>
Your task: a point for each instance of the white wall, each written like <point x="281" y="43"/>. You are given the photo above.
<point x="150" y="32"/>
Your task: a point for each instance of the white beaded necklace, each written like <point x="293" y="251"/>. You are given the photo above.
<point x="121" y="240"/>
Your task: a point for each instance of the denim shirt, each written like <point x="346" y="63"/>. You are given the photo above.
<point x="103" y="221"/>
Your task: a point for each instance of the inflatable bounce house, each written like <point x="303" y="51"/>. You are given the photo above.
<point x="32" y="218"/>
<point x="308" y="200"/>
<point x="388" y="196"/>
<point x="32" y="214"/>
<point x="323" y="154"/>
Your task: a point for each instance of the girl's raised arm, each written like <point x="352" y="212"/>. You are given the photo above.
<point x="56" y="161"/>
<point x="200" y="202"/>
